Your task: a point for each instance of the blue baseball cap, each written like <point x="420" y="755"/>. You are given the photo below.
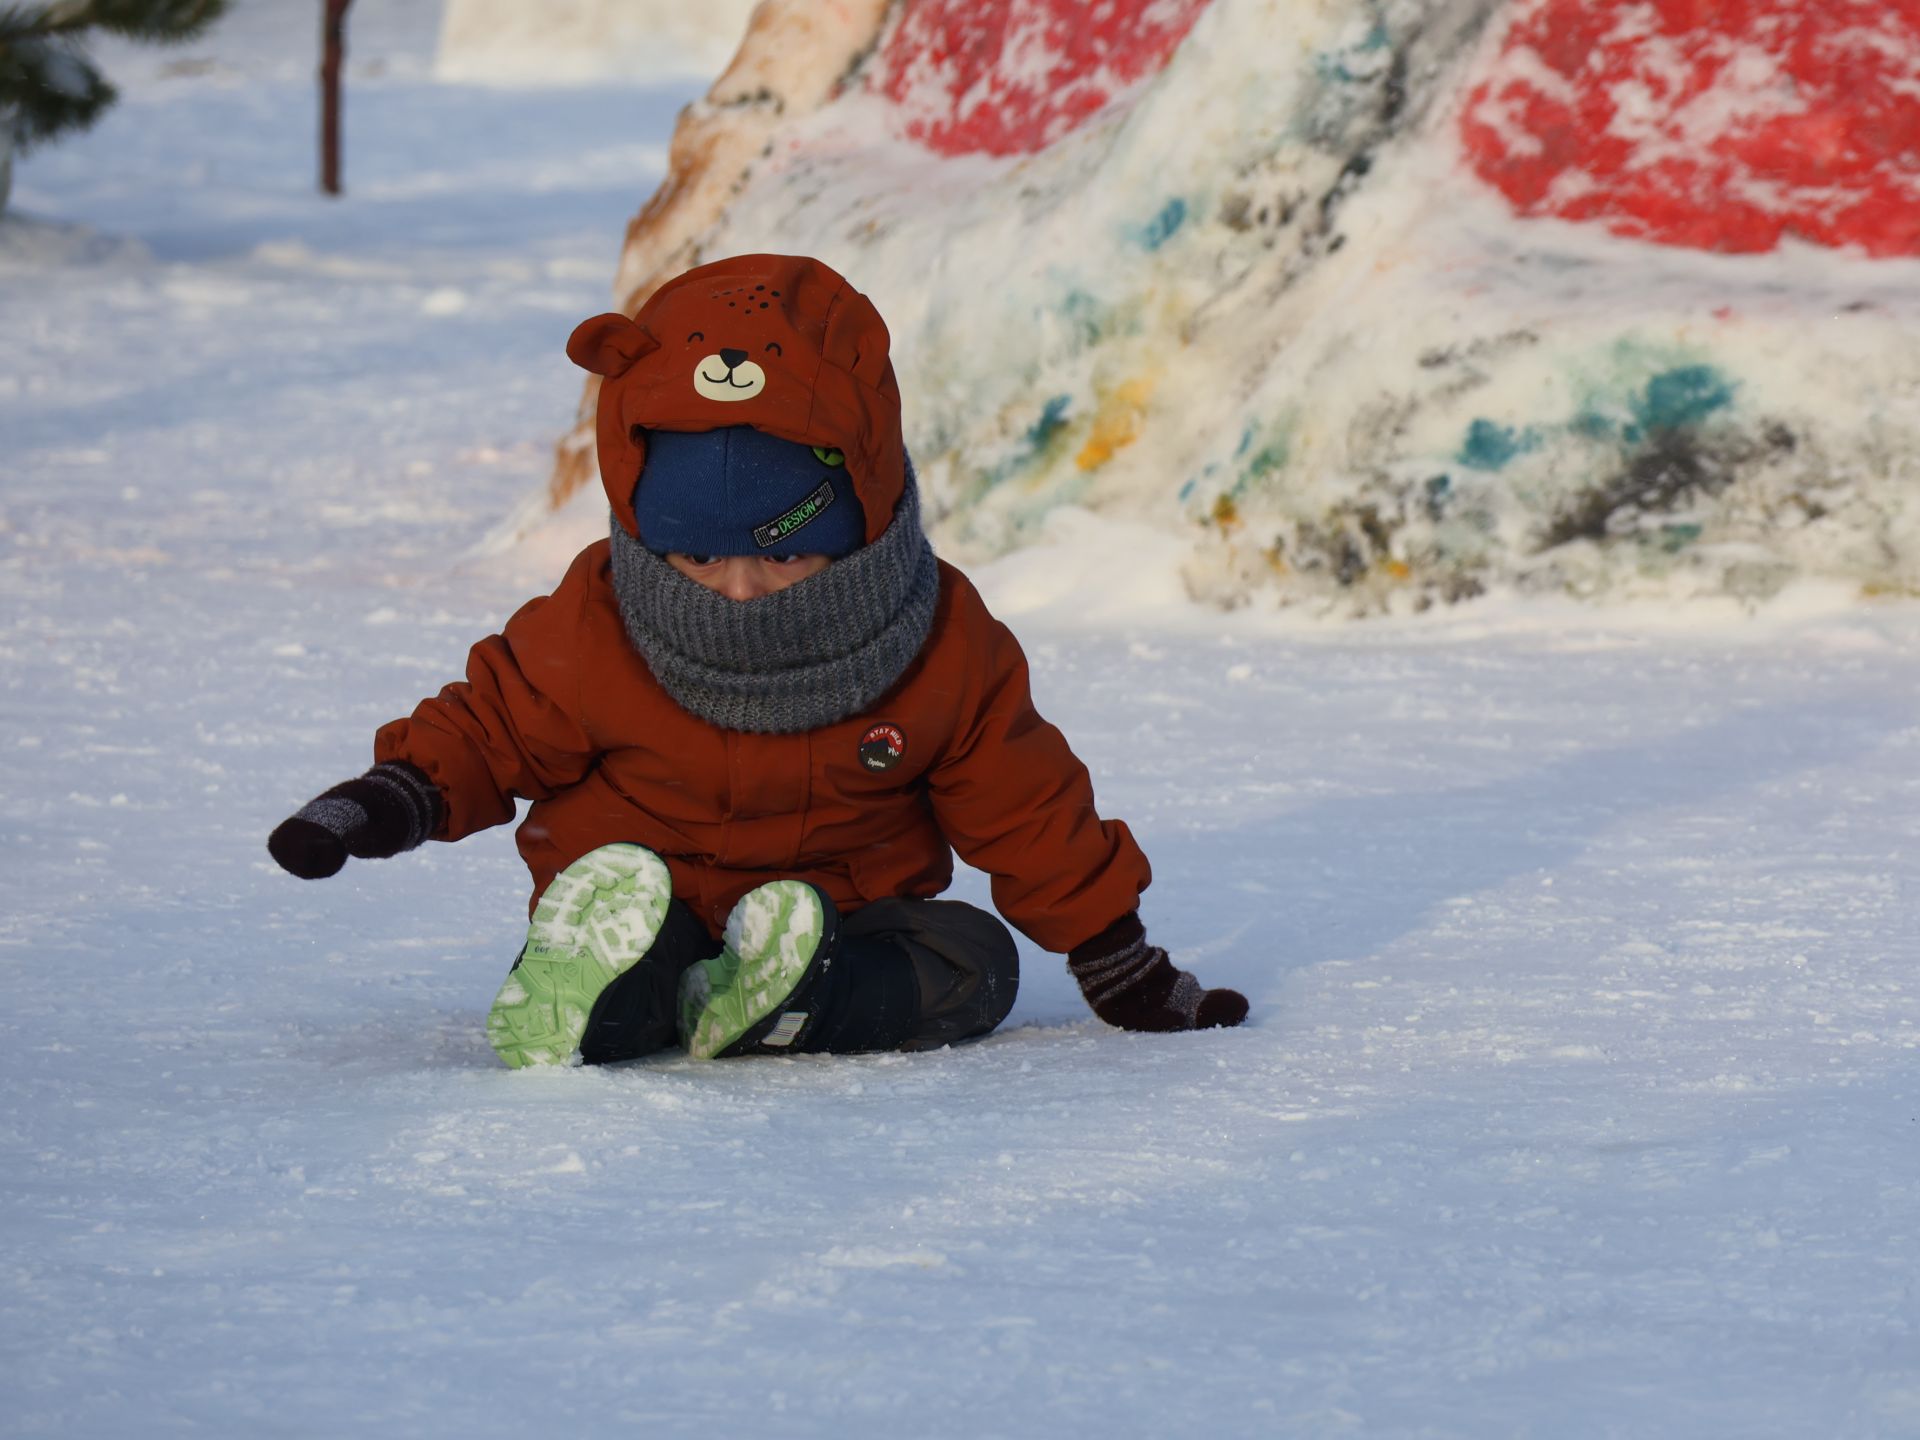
<point x="740" y="491"/>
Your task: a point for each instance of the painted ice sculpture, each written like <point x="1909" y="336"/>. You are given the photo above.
<point x="1383" y="301"/>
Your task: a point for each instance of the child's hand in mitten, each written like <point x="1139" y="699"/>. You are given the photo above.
<point x="1132" y="984"/>
<point x="391" y="808"/>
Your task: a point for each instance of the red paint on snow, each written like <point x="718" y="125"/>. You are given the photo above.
<point x="1009" y="77"/>
<point x="1723" y="125"/>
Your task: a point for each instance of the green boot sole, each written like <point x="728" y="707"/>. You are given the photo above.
<point x="772" y="938"/>
<point x="593" y="923"/>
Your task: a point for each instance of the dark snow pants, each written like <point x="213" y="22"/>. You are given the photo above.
<point x="913" y="975"/>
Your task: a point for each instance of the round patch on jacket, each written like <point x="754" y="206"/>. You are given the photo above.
<point x="882" y="746"/>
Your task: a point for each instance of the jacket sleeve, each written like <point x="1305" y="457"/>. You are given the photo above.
<point x="1015" y="801"/>
<point x="515" y="726"/>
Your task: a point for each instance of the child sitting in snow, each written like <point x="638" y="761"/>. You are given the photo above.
<point x="756" y="722"/>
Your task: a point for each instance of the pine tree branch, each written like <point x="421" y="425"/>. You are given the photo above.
<point x="160" y="21"/>
<point x="48" y="85"/>
<point x="69" y="17"/>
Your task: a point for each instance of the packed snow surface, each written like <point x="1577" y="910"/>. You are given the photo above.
<point x="1580" y="1097"/>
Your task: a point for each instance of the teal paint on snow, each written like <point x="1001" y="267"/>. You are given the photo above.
<point x="1492" y="447"/>
<point x="1592" y="425"/>
<point x="1271" y="457"/>
<point x="1674" y="399"/>
<point x="1351" y="66"/>
<point x="1682" y="397"/>
<point x="1252" y="465"/>
<point x="1164" y="226"/>
<point x="1088" y="316"/>
<point x="1053" y="419"/>
<point x="1191" y="485"/>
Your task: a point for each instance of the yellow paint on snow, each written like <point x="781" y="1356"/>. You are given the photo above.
<point x="1116" y="421"/>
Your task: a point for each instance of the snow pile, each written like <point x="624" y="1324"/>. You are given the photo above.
<point x="1233" y="270"/>
<point x="510" y="42"/>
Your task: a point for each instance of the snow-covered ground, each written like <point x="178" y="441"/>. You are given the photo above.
<point x="1581" y="1095"/>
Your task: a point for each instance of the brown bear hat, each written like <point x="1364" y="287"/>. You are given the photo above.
<point x="779" y="342"/>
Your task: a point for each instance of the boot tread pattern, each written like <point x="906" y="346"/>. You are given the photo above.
<point x="594" y="922"/>
<point x="770" y="941"/>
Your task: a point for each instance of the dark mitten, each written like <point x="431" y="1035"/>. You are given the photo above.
<point x="1132" y="984"/>
<point x="393" y="807"/>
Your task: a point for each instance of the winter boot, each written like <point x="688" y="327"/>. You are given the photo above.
<point x="597" y="920"/>
<point x="637" y="1014"/>
<point x="753" y="996"/>
<point x="792" y="980"/>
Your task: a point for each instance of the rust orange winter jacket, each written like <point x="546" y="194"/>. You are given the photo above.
<point x="560" y="709"/>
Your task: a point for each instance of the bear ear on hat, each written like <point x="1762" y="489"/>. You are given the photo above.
<point x="608" y="345"/>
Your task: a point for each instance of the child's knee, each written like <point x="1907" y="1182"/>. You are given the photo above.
<point x="999" y="973"/>
<point x="964" y="960"/>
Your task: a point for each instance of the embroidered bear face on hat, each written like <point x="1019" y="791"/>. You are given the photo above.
<point x="778" y="342"/>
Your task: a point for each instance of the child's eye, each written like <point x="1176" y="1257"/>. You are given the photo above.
<point x="703" y="559"/>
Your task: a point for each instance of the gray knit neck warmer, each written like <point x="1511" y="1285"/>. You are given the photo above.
<point x="816" y="652"/>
